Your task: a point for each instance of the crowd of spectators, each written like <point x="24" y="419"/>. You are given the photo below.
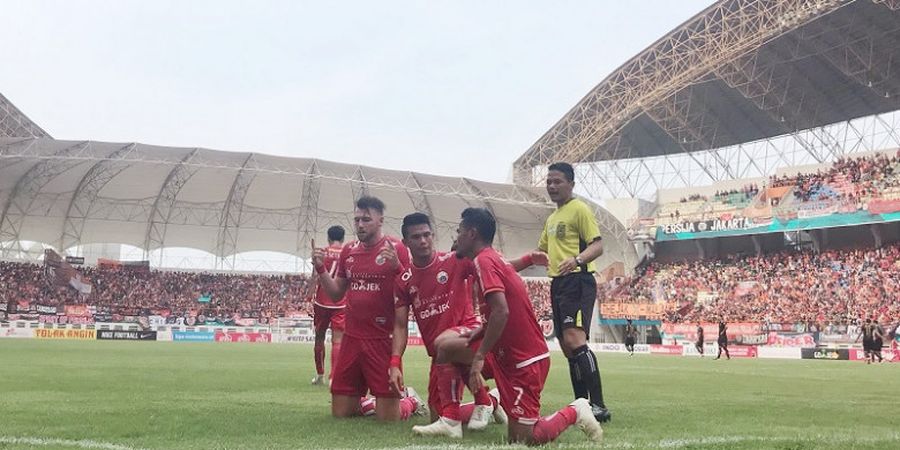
<point x="694" y="198"/>
<point x="865" y="177"/>
<point x="539" y="291"/>
<point x="837" y="286"/>
<point x="748" y="192"/>
<point x="850" y="180"/>
<point x="182" y="294"/>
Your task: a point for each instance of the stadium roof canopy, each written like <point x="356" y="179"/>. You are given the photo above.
<point x="739" y="71"/>
<point x="14" y="123"/>
<point x="71" y="193"/>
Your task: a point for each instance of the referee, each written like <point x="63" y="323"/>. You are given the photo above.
<point x="571" y="238"/>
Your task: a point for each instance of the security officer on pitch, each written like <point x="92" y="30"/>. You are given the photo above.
<point x="571" y="238"/>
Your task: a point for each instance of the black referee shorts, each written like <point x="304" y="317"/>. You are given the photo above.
<point x="572" y="298"/>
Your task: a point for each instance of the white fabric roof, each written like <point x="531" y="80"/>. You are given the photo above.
<point x="66" y="193"/>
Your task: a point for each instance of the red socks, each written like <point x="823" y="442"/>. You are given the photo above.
<point x="408" y="406"/>
<point x="483" y="398"/>
<point x="465" y="412"/>
<point x="319" y="352"/>
<point x="366" y="406"/>
<point x="550" y="427"/>
<point x="450" y="389"/>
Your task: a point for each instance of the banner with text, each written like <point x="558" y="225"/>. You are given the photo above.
<point x="244" y="337"/>
<point x="117" y="335"/>
<point x="645" y="311"/>
<point x="45" y="333"/>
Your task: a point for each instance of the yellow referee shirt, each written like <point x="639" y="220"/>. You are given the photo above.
<point x="567" y="232"/>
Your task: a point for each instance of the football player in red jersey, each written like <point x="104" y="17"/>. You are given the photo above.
<point x="437" y="286"/>
<point x="327" y="312"/>
<point x="366" y="274"/>
<point x="512" y="340"/>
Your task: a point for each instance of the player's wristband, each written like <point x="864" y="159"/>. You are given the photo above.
<point x="320" y="269"/>
<point x="527" y="260"/>
<point x="396" y="361"/>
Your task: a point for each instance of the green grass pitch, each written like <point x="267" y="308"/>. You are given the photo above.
<point x="153" y="395"/>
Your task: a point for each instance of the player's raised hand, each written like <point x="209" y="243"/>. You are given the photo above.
<point x="395" y="380"/>
<point x="476" y="381"/>
<point x="389" y="253"/>
<point x="318" y="256"/>
<point x="539" y="258"/>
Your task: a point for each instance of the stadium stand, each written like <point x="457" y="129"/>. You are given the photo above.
<point x="836" y="286"/>
<point x="124" y="295"/>
<point x="847" y="184"/>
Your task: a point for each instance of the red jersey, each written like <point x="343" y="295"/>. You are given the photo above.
<point x="370" y="288"/>
<point x="522" y="342"/>
<point x="439" y="294"/>
<point x="332" y="254"/>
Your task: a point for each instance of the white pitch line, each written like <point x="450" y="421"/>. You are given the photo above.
<point x="663" y="444"/>
<point x="666" y="444"/>
<point x="47" y="442"/>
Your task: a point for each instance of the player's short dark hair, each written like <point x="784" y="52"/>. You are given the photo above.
<point x="415" y="218"/>
<point x="567" y="170"/>
<point x="482" y="221"/>
<point x="336" y="234"/>
<point x="371" y="203"/>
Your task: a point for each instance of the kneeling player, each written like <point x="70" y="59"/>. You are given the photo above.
<point x="365" y="273"/>
<point x="437" y="286"/>
<point x="512" y="341"/>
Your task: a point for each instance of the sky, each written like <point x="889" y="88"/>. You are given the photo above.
<point x="456" y="88"/>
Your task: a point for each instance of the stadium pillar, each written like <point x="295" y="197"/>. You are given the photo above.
<point x="757" y="245"/>
<point x="819" y="239"/>
<point x="714" y="245"/>
<point x="816" y="240"/>
<point x="877" y="234"/>
<point x="701" y="253"/>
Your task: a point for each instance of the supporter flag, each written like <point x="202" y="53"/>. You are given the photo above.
<point x="57" y="272"/>
<point x="743" y="288"/>
<point x="659" y="293"/>
<point x="133" y="266"/>
<point x="705" y="297"/>
<point x="81" y="284"/>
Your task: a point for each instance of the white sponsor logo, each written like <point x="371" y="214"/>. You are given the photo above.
<point x="434" y="310"/>
<point x="365" y="286"/>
